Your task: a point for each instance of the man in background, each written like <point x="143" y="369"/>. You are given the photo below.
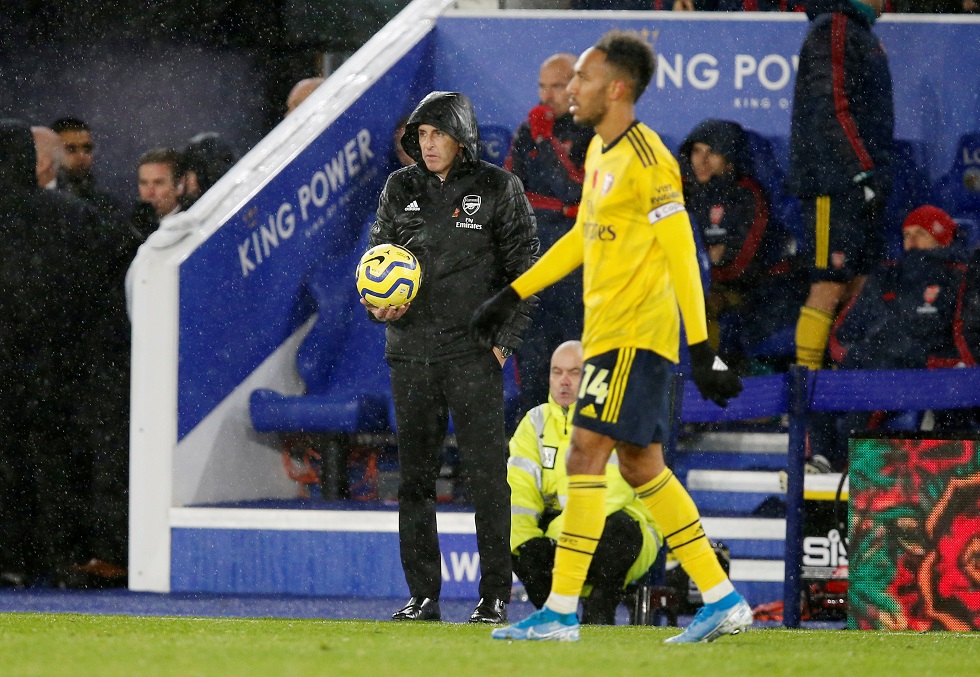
<point x="161" y="187"/>
<point x="206" y="158"/>
<point x="76" y="175"/>
<point x="547" y="155"/>
<point x="300" y="92"/>
<point x="840" y="159"/>
<point x="539" y="487"/>
<point x="470" y="226"/>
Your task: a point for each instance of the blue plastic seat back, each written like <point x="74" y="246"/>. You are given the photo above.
<point x="344" y="350"/>
<point x="910" y="189"/>
<point x="958" y="191"/>
<point x="494" y="143"/>
<point x="771" y="158"/>
<point x="968" y="232"/>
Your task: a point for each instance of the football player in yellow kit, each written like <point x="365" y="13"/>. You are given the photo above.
<point x="634" y="240"/>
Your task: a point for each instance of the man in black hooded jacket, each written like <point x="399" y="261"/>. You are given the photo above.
<point x="756" y="287"/>
<point x="471" y="227"/>
<point x="53" y="276"/>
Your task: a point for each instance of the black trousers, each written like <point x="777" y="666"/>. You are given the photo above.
<point x="618" y="548"/>
<point x="471" y="388"/>
<point x="42" y="513"/>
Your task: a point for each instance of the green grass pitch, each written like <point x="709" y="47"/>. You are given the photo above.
<point x="74" y="644"/>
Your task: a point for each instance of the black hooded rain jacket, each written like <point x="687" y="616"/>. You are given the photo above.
<point x="472" y="233"/>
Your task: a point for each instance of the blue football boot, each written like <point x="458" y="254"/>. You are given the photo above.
<point x="543" y="625"/>
<point x="728" y="616"/>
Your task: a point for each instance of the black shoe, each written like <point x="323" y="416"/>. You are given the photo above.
<point x="489" y="610"/>
<point x="418" y="609"/>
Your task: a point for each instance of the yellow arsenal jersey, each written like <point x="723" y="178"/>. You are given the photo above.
<point x="633" y="238"/>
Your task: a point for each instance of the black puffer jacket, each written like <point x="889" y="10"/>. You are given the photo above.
<point x="843" y="112"/>
<point x="904" y="314"/>
<point x="472" y="233"/>
<point x="732" y="210"/>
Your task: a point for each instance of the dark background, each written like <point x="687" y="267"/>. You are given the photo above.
<point x="155" y="72"/>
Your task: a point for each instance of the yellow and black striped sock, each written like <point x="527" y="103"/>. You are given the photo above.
<point x="812" y="332"/>
<point x="584" y="519"/>
<point x="674" y="511"/>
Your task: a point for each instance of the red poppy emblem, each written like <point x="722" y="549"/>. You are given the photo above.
<point x="931" y="292"/>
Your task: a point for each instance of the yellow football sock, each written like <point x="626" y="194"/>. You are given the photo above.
<point x="812" y="332"/>
<point x="674" y="511"/>
<point x="585" y="516"/>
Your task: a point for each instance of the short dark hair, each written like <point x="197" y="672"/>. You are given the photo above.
<point x="631" y="56"/>
<point x="164" y="155"/>
<point x="69" y="125"/>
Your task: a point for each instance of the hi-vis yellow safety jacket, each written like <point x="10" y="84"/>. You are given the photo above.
<point x="539" y="482"/>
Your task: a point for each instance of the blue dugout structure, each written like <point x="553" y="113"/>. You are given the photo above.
<point x="220" y="295"/>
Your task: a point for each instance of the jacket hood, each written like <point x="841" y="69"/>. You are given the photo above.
<point x="209" y="156"/>
<point x="724" y="137"/>
<point x="18" y="156"/>
<point x="453" y="113"/>
<point x="815" y="8"/>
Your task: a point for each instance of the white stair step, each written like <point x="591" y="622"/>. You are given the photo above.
<point x="744" y="528"/>
<point x="745" y="481"/>
<point x="759" y="443"/>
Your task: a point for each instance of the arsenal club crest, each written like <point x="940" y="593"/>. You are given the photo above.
<point x="607" y="183"/>
<point x="471" y="204"/>
<point x="929" y="295"/>
<point x="717" y="213"/>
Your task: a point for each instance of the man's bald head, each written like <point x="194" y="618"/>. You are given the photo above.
<point x="300" y="91"/>
<point x="555" y="74"/>
<point x="50" y="153"/>
<point x="566" y="372"/>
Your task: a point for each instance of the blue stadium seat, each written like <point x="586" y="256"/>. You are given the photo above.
<point x="341" y="362"/>
<point x="910" y="189"/>
<point x="494" y="144"/>
<point x="968" y="233"/>
<point x="771" y="158"/>
<point x="958" y="190"/>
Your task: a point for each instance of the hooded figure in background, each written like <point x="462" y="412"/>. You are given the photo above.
<point x="54" y="293"/>
<point x="756" y="285"/>
<point x="470" y="225"/>
<point x="206" y="159"/>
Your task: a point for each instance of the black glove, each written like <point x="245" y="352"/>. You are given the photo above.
<point x="872" y="190"/>
<point x="493" y="313"/>
<point x="540" y="549"/>
<point x="712" y="377"/>
<point x="511" y="332"/>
